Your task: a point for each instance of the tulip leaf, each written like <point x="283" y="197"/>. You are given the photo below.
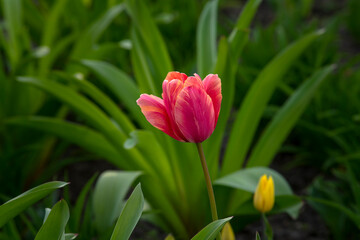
<point x="16" y="205"/>
<point x="152" y="38"/>
<point x="253" y="106"/>
<point x="89" y="37"/>
<point x="109" y="194"/>
<point x="129" y="216"/>
<point x="105" y="102"/>
<point x="211" y="230"/>
<point x="240" y="34"/>
<point x="206" y="39"/>
<point x="83" y="136"/>
<point x="54" y="225"/>
<point x="70" y="236"/>
<point x="285" y="119"/>
<point x="247" y="180"/>
<point x="143" y="74"/>
<point x="117" y="81"/>
<point x="156" y="156"/>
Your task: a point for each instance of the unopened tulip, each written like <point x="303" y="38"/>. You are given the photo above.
<point x="189" y="108"/>
<point x="264" y="197"/>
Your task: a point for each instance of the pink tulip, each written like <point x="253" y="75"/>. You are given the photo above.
<point x="189" y="109"/>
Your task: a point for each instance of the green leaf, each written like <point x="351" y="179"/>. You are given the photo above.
<point x="255" y="101"/>
<point x="119" y="83"/>
<point x="70" y="236"/>
<point x="225" y="69"/>
<point x="80" y="202"/>
<point x="16" y="205"/>
<point x="51" y="28"/>
<point x="152" y="38"/>
<point x="258" y="236"/>
<point x="206" y="39"/>
<point x="93" y="33"/>
<point x="139" y="59"/>
<point x="83" y="136"/>
<point x="94" y="115"/>
<point x="12" y="12"/>
<point x="248" y="179"/>
<point x="129" y="216"/>
<point x="109" y="194"/>
<point x="156" y="156"/>
<point x="240" y="34"/>
<point x="54" y="226"/>
<point x="105" y="102"/>
<point x="211" y="230"/>
<point x="348" y="212"/>
<point x="281" y="125"/>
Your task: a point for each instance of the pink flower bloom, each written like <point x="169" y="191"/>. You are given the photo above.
<point x="189" y="109"/>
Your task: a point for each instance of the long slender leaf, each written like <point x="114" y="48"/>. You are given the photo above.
<point x="13" y="22"/>
<point x="16" y="205"/>
<point x="92" y="34"/>
<point x="75" y="133"/>
<point x="247" y="180"/>
<point x="125" y="125"/>
<point x="151" y="36"/>
<point x="51" y="25"/>
<point x="239" y="35"/>
<point x="54" y="226"/>
<point x="109" y="194"/>
<point x="211" y="230"/>
<point x="285" y="119"/>
<point x="252" y="108"/>
<point x="129" y="216"/>
<point x="141" y="65"/>
<point x="76" y="213"/>
<point x="94" y="115"/>
<point x="206" y="39"/>
<point x="119" y="83"/>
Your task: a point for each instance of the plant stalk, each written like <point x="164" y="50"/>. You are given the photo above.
<point x="209" y="187"/>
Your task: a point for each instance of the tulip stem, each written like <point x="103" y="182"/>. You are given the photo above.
<point x="209" y="187"/>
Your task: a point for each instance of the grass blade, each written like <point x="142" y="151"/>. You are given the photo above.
<point x="109" y="194"/>
<point x="119" y="83"/>
<point x="255" y="101"/>
<point x="16" y="205"/>
<point x="279" y="128"/>
<point x="54" y="226"/>
<point x="129" y="216"/>
<point x="206" y="39"/>
<point x="152" y="38"/>
<point x="75" y="133"/>
<point x="93" y="33"/>
<point x="211" y="230"/>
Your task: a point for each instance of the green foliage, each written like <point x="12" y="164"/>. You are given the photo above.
<point x="74" y="51"/>
<point x="55" y="222"/>
<point x="129" y="216"/>
<point x="211" y="230"/>
<point x="16" y="205"/>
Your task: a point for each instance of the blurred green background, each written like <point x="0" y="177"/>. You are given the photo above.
<point x="63" y="41"/>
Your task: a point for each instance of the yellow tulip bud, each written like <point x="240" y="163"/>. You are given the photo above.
<point x="264" y="197"/>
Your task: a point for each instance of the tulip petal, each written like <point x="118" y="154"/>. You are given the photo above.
<point x="194" y="114"/>
<point x="155" y="112"/>
<point x="171" y="90"/>
<point x="212" y="85"/>
<point x="176" y="75"/>
<point x="194" y="81"/>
